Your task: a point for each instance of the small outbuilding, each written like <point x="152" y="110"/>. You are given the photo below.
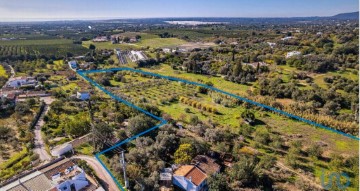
<point x="83" y="95"/>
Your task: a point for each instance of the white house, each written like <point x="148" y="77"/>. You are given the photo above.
<point x="83" y="95"/>
<point x="59" y="175"/>
<point x="287" y="38"/>
<point x="190" y="178"/>
<point x="73" y="65"/>
<point x="22" y="82"/>
<point x="77" y="182"/>
<point x="293" y="53"/>
<point x="61" y="149"/>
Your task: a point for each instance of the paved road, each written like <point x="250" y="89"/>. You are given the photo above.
<point x="39" y="142"/>
<point x="100" y="172"/>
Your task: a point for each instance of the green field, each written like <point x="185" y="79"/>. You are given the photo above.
<point x="108" y="45"/>
<point x="149" y="41"/>
<point x="168" y="97"/>
<point x="36" y="42"/>
<point x="140" y="89"/>
<point x="57" y="47"/>
<point x="216" y="80"/>
<point x="161" y="42"/>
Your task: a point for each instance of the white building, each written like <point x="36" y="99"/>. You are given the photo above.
<point x="293" y="53"/>
<point x="22" y="82"/>
<point x="190" y="178"/>
<point x="60" y="175"/>
<point x="100" y="39"/>
<point x="83" y="95"/>
<point x="61" y="150"/>
<point x="73" y="64"/>
<point x="77" y="182"/>
<point x="137" y="55"/>
<point x="287" y="38"/>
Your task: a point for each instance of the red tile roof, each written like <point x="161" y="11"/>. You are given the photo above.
<point x="206" y="164"/>
<point x="192" y="173"/>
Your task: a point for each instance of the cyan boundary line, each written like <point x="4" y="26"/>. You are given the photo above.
<point x="163" y="122"/>
<point x="226" y="93"/>
<point x="109" y="172"/>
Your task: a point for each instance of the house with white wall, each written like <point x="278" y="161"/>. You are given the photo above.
<point x="190" y="178"/>
<point x="22" y="81"/>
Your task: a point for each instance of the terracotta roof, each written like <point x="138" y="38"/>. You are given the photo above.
<point x="196" y="176"/>
<point x="192" y="173"/>
<point x="206" y="164"/>
<point x="183" y="170"/>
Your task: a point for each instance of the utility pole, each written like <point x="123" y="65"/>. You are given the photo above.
<point x="123" y="163"/>
<point x="92" y="123"/>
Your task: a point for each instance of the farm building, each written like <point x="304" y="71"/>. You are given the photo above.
<point x="22" y="82"/>
<point x="255" y="64"/>
<point x="100" y="39"/>
<point x="287" y="38"/>
<point x="61" y="150"/>
<point x="137" y="55"/>
<point x="83" y="95"/>
<point x="206" y="164"/>
<point x="293" y="53"/>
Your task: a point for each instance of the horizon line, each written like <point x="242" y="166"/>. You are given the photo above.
<point x="24" y="20"/>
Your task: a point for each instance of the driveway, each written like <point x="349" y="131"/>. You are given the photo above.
<point x="100" y="172"/>
<point x="40" y="148"/>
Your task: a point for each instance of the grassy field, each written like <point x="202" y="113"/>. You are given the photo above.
<point x="139" y="89"/>
<point x="148" y="41"/>
<point x="217" y="81"/>
<point x="36" y="42"/>
<point x="162" y="93"/>
<point x="108" y="45"/>
<point x="161" y="42"/>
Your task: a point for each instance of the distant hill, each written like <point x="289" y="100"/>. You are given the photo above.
<point x="353" y="15"/>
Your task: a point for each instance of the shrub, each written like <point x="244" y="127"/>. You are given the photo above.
<point x="194" y="120"/>
<point x="315" y="151"/>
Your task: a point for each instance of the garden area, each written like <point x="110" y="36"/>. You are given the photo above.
<point x="16" y="125"/>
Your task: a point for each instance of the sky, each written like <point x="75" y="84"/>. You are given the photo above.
<point x="19" y="10"/>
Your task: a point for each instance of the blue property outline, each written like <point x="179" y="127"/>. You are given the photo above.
<point x="163" y="121"/>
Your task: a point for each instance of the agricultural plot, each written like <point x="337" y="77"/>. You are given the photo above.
<point x="189" y="104"/>
<point x="57" y="47"/>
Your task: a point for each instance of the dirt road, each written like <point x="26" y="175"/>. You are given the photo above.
<point x="100" y="171"/>
<point x="39" y="142"/>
